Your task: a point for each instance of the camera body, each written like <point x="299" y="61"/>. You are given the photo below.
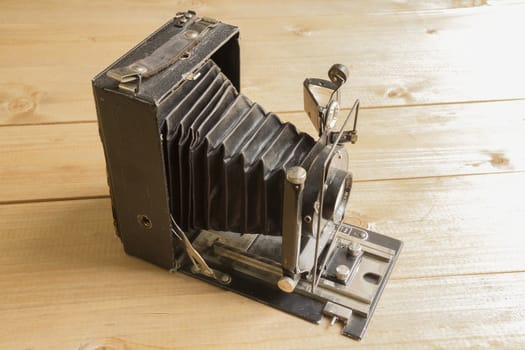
<point x="206" y="182"/>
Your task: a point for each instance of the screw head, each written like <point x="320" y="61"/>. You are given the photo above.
<point x="355" y="249"/>
<point x="296" y="175"/>
<point x="226" y="279"/>
<point x="342" y="272"/>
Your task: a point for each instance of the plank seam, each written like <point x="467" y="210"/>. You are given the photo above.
<point x="431" y="104"/>
<point x="452" y="275"/>
<point x="60" y="199"/>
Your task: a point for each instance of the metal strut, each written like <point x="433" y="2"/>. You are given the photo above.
<point x="199" y="264"/>
<point x="316" y="278"/>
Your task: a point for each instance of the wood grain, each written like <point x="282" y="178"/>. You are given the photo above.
<point x="431" y="215"/>
<point x="26" y="11"/>
<point x="450" y="225"/>
<point x="413" y="56"/>
<point x="394" y="143"/>
<point x="67" y="257"/>
<point x="464" y="312"/>
<point x="439" y="164"/>
<point x="51" y="161"/>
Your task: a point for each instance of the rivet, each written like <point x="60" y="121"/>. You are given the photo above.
<point x="190" y="34"/>
<point x="355" y="249"/>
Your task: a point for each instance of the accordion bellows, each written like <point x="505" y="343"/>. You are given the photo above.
<point x="226" y="157"/>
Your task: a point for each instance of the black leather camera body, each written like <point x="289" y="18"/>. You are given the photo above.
<point x="204" y="181"/>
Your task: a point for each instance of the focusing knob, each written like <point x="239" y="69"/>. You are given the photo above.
<point x="338" y="74"/>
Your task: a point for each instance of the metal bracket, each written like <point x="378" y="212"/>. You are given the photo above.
<point x="321" y="103"/>
<point x="315" y="91"/>
<point x="199" y="264"/>
<point x="315" y="274"/>
<point x="321" y="97"/>
<point x="349" y="297"/>
<point x="347" y="135"/>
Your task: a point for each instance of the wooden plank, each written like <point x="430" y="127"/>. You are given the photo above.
<point x="450" y="226"/>
<point x="402" y="58"/>
<point x="460" y="281"/>
<point x="65" y="161"/>
<point x="52" y="161"/>
<point x="435" y="140"/>
<point x="64" y="274"/>
<point x="452" y="312"/>
<point x="119" y="11"/>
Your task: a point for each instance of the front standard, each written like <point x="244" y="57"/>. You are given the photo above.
<point x="206" y="182"/>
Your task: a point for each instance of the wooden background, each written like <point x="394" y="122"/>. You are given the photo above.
<point x="439" y="164"/>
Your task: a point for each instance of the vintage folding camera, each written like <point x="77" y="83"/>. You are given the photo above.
<point x="206" y="182"/>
